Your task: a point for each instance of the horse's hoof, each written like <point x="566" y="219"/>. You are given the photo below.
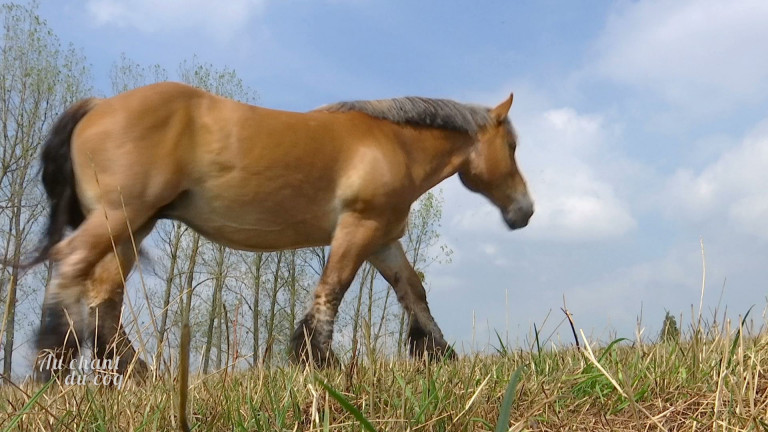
<point x="430" y="348"/>
<point x="137" y="369"/>
<point x="306" y="350"/>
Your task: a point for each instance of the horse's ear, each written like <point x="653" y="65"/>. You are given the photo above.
<point x="499" y="114"/>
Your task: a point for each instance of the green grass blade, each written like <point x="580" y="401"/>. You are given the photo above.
<point x="502" y="349"/>
<point x="346" y="404"/>
<point x="482" y="422"/>
<point x="610" y="347"/>
<point x="502" y="424"/>
<point x="737" y="337"/>
<point x="28" y="406"/>
<point x="426" y="405"/>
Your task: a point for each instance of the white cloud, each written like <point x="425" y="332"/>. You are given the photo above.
<point x="220" y="19"/>
<point x="733" y="188"/>
<point x="705" y="54"/>
<point x="574" y="200"/>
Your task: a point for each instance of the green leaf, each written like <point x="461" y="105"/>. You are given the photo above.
<point x="346" y="404"/>
<point x="502" y="424"/>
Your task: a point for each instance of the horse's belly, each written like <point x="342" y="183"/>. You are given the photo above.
<point x="259" y="229"/>
<point x="254" y="239"/>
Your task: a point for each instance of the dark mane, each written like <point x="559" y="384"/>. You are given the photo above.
<point x="419" y="111"/>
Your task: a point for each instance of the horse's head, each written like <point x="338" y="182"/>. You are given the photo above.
<point x="492" y="171"/>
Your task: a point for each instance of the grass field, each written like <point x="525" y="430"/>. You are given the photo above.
<point x="714" y="380"/>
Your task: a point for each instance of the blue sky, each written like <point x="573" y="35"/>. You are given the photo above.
<point x="643" y="130"/>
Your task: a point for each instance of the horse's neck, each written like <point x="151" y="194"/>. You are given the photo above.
<point x="435" y="155"/>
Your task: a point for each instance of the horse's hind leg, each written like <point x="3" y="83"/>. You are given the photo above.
<point x="105" y="289"/>
<point x="58" y="340"/>
<point x="64" y="314"/>
<point x="424" y="336"/>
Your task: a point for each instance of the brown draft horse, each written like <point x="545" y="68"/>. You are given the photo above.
<point x="251" y="178"/>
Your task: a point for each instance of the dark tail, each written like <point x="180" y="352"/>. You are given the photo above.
<point x="59" y="180"/>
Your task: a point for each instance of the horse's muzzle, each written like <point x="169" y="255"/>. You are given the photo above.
<point x="518" y="215"/>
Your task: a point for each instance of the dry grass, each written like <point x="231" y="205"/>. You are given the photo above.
<point x="717" y="382"/>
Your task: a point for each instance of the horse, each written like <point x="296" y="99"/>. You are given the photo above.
<point x="256" y="179"/>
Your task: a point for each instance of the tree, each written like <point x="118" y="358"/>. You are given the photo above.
<point x="273" y="304"/>
<point x="669" y="331"/>
<point x="170" y="236"/>
<point x="356" y="316"/>
<point x="253" y="264"/>
<point x="126" y="74"/>
<point x="38" y="80"/>
<point x="218" y="272"/>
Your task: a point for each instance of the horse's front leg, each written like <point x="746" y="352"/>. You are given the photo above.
<point x="353" y="241"/>
<point x="424" y="336"/>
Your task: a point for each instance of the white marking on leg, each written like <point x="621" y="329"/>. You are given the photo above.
<point x="323" y="320"/>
